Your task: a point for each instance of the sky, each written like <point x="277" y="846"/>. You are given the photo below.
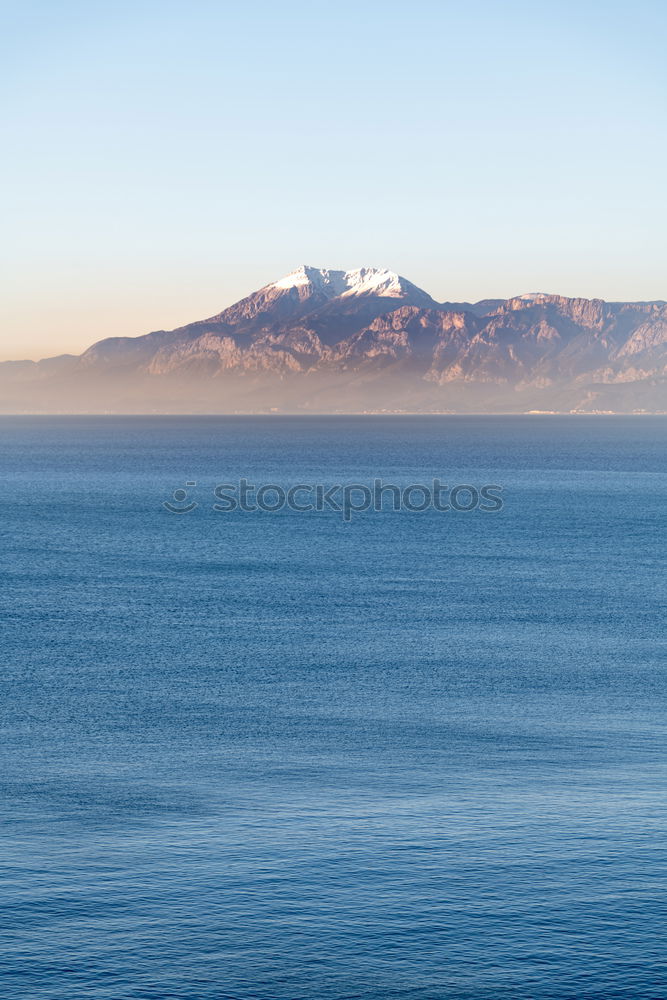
<point x="163" y="159"/>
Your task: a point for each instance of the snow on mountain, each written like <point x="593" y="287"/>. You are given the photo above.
<point x="361" y="281"/>
<point x="375" y="281"/>
<point x="322" y="279"/>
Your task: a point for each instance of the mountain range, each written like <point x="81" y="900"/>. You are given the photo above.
<point x="367" y="340"/>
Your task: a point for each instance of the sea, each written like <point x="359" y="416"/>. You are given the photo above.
<point x="285" y="755"/>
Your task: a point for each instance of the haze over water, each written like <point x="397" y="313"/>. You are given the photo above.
<point x="281" y="757"/>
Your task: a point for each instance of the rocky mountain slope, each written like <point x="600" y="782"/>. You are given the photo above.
<point x="326" y="341"/>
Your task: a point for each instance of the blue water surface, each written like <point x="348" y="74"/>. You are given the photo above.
<point x="278" y="756"/>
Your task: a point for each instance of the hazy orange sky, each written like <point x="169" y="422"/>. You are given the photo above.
<point x="166" y="158"/>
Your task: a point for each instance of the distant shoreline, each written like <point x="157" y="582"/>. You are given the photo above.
<point x="324" y="415"/>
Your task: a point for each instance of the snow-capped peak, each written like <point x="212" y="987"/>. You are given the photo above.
<point x="533" y="296"/>
<point x="374" y="281"/>
<point x="361" y="281"/>
<point x="318" y="277"/>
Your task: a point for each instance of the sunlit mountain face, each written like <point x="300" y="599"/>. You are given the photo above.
<point x="321" y="340"/>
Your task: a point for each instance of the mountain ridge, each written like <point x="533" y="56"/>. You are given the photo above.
<point x="319" y="333"/>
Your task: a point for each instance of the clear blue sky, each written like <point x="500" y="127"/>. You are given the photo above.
<point x="162" y="159"/>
